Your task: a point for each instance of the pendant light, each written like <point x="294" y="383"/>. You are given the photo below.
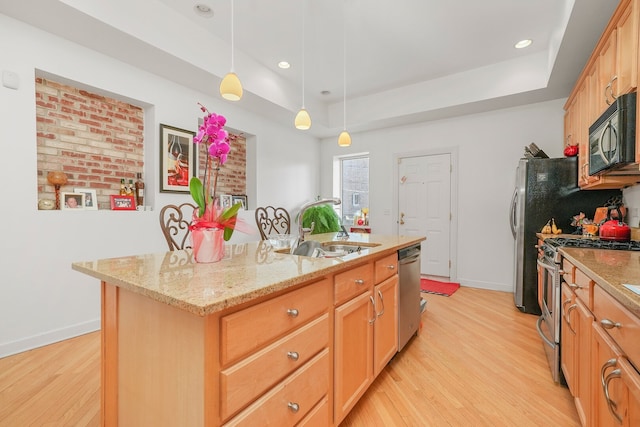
<point x="303" y="120"/>
<point x="344" y="140"/>
<point x="230" y="87"/>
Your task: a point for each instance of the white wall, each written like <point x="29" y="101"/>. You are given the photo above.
<point x="41" y="299"/>
<point x="489" y="146"/>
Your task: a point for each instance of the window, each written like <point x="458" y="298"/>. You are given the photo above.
<point x="352" y="183"/>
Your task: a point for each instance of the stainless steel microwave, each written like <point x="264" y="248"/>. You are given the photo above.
<point x="612" y="138"/>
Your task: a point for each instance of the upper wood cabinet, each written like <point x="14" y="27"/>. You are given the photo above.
<point x="611" y="71"/>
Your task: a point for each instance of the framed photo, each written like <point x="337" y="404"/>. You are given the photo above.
<point x="240" y="198"/>
<point x="90" y="198"/>
<point x="72" y="201"/>
<point x="226" y="200"/>
<point x="123" y="203"/>
<point x="177" y="159"/>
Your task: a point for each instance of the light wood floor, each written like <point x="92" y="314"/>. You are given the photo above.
<point x="477" y="362"/>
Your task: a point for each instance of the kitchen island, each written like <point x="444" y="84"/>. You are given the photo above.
<point x="259" y="336"/>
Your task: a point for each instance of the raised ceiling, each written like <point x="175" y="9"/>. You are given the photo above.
<point x="407" y="60"/>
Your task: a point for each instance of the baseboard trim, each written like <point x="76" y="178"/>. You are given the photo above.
<point x="50" y="337"/>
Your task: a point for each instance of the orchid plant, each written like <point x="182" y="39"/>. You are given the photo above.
<point x="209" y="213"/>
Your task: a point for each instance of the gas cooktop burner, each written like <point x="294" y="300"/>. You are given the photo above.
<point x="556" y="242"/>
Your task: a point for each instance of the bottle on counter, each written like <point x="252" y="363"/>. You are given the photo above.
<point x="139" y="190"/>
<point x="130" y="189"/>
<point x="123" y="188"/>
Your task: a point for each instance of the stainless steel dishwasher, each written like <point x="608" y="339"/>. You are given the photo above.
<point x="409" y="293"/>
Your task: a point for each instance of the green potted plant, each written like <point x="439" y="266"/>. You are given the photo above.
<point x="326" y="219"/>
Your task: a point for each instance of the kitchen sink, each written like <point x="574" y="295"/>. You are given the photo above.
<point x="332" y="249"/>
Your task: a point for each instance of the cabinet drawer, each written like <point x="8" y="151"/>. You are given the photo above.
<point x="248" y="330"/>
<point x="619" y="323"/>
<point x="584" y="288"/>
<point x="352" y="282"/>
<point x="246" y="380"/>
<point x="288" y="402"/>
<point x="385" y="268"/>
<point x="319" y="416"/>
<point x="569" y="271"/>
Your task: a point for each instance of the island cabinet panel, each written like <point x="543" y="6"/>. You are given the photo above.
<point x="246" y="331"/>
<point x="385" y="339"/>
<point x="353" y="352"/>
<point x="248" y="379"/>
<point x="288" y="402"/>
<point x="158" y="365"/>
<point x="320" y="416"/>
<point x="619" y="323"/>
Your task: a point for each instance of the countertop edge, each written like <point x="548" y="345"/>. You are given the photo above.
<point x="624" y="296"/>
<point x="276" y="286"/>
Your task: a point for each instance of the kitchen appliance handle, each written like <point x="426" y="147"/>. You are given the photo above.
<point x="550" y="267"/>
<point x="542" y="335"/>
<point x="409" y="260"/>
<point x="514" y="201"/>
<point x="613" y="140"/>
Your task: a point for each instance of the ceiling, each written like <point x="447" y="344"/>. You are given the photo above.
<point x="406" y="60"/>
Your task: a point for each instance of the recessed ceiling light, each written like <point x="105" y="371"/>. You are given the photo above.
<point x="203" y="10"/>
<point x="284" y="65"/>
<point x="523" y="43"/>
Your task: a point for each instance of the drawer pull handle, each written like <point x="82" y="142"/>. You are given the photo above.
<point x="391" y="267"/>
<point x="359" y="282"/>
<point x="293" y="355"/>
<point x="608" y="324"/>
<point x="574" y="286"/>
<point x="293" y="312"/>
<point x="294" y="407"/>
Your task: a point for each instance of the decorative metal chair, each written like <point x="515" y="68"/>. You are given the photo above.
<point x="272" y="220"/>
<point x="174" y="222"/>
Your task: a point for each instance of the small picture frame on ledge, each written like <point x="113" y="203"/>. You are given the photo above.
<point x="72" y="201"/>
<point x="226" y="201"/>
<point x="240" y="198"/>
<point x="90" y="198"/>
<point x="123" y="203"/>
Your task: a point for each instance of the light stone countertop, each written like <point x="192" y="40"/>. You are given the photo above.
<point x="610" y="269"/>
<point x="248" y="271"/>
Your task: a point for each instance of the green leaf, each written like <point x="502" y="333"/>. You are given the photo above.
<point x="232" y="212"/>
<point x="197" y="193"/>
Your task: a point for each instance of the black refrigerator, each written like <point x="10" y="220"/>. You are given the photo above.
<point x="545" y="189"/>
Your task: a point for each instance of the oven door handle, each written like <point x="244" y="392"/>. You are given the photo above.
<point x="542" y="335"/>
<point x="550" y="267"/>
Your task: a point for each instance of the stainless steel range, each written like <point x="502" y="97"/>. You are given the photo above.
<point x="549" y="285"/>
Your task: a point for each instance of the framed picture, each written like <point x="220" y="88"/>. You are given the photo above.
<point x="177" y="159"/>
<point x="72" y="201"/>
<point x="240" y="198"/>
<point x="90" y="198"/>
<point x="226" y="201"/>
<point x="123" y="203"/>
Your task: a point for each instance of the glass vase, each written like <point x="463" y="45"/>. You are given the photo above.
<point x="208" y="244"/>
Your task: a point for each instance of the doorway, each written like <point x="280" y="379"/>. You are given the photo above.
<point x="426" y="196"/>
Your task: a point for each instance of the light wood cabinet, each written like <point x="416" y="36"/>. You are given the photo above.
<point x="366" y="329"/>
<point x="611" y="71"/>
<point x="575" y="341"/>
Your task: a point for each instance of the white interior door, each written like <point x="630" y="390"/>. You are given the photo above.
<point x="424" y="208"/>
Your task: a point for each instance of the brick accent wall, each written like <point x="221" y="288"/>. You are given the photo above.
<point x="93" y="139"/>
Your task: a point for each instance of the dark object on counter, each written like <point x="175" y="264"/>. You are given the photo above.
<point x="614" y="229"/>
<point x="545" y="188"/>
<point x="533" y="151"/>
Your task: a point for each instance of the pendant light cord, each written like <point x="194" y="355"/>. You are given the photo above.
<point x="344" y="65"/>
<point x="303" y="49"/>
<point x="232" y="37"/>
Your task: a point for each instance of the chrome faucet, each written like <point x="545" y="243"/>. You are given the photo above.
<point x="301" y="230"/>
